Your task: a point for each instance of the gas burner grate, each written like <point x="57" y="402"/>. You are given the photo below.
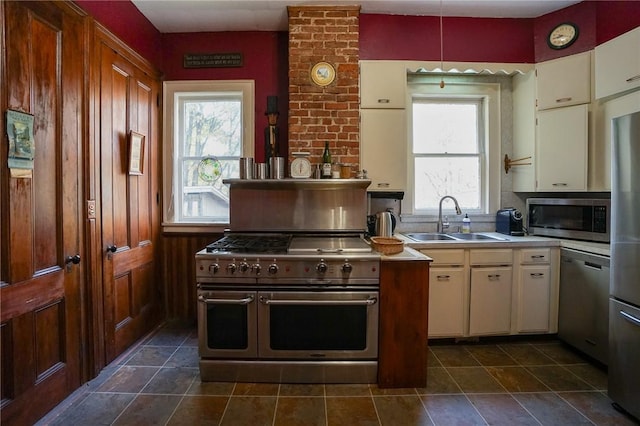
<point x="270" y="244"/>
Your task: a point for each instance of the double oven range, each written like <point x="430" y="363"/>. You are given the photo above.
<point x="295" y="306"/>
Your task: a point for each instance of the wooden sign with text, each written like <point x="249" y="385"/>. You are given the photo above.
<point x="212" y="60"/>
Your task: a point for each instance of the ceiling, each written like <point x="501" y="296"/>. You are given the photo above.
<point x="172" y="16"/>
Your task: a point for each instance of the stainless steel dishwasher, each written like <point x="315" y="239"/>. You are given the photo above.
<point x="583" y="317"/>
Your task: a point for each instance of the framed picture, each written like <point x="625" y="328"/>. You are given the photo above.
<point x="136" y="153"/>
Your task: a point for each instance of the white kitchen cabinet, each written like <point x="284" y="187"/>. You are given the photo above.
<point x="448" y="293"/>
<point x="383" y="148"/>
<point x="617" y="64"/>
<point x="533" y="300"/>
<point x="490" y="300"/>
<point x="383" y="84"/>
<point x="447" y="301"/>
<point x="562" y="143"/>
<point x="524" y="132"/>
<point x="564" y="81"/>
<point x="490" y="291"/>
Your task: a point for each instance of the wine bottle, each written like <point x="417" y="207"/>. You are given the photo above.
<point x="326" y="162"/>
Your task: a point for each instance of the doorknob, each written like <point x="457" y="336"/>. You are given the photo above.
<point x="112" y="248"/>
<point x="73" y="259"/>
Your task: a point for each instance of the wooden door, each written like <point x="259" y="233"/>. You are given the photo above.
<point x="129" y="202"/>
<point x="40" y="293"/>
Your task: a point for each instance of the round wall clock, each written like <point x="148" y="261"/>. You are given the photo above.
<point x="323" y="73"/>
<point x="562" y="35"/>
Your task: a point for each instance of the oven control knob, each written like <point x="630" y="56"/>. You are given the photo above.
<point x="244" y="267"/>
<point x="214" y="268"/>
<point x="231" y="268"/>
<point x="256" y="268"/>
<point x="347" y="268"/>
<point x="322" y="267"/>
<point x="273" y="269"/>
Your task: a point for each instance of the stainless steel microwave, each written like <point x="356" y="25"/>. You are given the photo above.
<point x="586" y="219"/>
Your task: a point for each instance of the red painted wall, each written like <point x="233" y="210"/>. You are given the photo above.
<point x="265" y="60"/>
<point x="126" y="22"/>
<point x="403" y="37"/>
<point x="615" y="18"/>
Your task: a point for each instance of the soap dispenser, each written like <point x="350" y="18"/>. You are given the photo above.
<point x="466" y="224"/>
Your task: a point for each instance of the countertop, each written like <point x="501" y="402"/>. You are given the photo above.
<point x="407" y="254"/>
<point x="507" y="241"/>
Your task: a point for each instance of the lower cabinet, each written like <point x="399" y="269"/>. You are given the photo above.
<point x="490" y="301"/>
<point x="533" y="300"/>
<point x="447" y="297"/>
<point x="448" y="292"/>
<point x="484" y="292"/>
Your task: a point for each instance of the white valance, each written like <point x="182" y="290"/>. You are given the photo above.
<point x="472" y="68"/>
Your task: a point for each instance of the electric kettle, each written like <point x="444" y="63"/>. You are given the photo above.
<point x="385" y="224"/>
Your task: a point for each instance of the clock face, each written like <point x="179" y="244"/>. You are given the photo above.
<point x="323" y="73"/>
<point x="562" y="36"/>
<point x="300" y="168"/>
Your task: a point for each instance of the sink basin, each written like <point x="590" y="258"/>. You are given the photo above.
<point x="429" y="236"/>
<point x="474" y="237"/>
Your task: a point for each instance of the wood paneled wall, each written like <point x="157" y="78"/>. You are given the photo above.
<point x="179" y="272"/>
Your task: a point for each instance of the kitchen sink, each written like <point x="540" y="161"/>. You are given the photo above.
<point x="429" y="236"/>
<point x="474" y="237"/>
<point x="433" y="236"/>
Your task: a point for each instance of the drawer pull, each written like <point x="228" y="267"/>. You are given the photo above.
<point x="630" y="318"/>
<point x="559" y="184"/>
<point x="493" y="277"/>
<point x="634" y="78"/>
<point x="537" y="274"/>
<point x="443" y="277"/>
<point x="383" y="101"/>
<point x="563" y="99"/>
<point x="538" y="256"/>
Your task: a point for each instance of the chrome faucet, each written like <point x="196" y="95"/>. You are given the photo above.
<point x="441" y="225"/>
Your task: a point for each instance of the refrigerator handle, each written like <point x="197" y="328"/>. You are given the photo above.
<point x="630" y="318"/>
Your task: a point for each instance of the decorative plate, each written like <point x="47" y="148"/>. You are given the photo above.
<point x="209" y="169"/>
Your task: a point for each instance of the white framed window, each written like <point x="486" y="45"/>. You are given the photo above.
<point x="208" y="126"/>
<point x="454" y="135"/>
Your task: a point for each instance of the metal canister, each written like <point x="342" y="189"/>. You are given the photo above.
<point x="246" y="167"/>
<point x="276" y="167"/>
<point x="260" y="171"/>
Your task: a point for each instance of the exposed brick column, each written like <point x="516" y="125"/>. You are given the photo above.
<point x="330" y="113"/>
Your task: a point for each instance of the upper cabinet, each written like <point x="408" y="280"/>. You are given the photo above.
<point x="383" y="148"/>
<point x="564" y="81"/>
<point x="562" y="149"/>
<point x="383" y="84"/>
<point x="617" y="64"/>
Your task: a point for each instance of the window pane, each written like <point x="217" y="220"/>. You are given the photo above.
<point x="213" y="128"/>
<point x="441" y="127"/>
<point x="436" y="177"/>
<point x="201" y="199"/>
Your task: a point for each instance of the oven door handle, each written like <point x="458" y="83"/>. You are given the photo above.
<point x="267" y="301"/>
<point x="244" y="301"/>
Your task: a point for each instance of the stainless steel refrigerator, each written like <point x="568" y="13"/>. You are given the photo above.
<point x="624" y="301"/>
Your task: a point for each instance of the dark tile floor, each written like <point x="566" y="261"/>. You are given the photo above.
<point x="537" y="382"/>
